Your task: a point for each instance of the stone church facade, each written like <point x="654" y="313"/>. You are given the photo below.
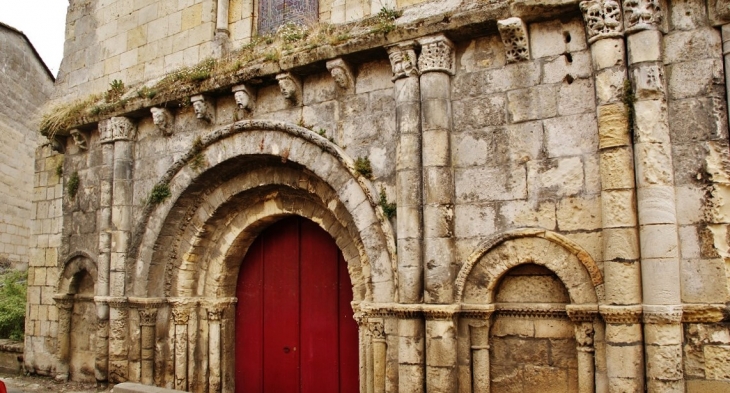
<point x="528" y="196"/>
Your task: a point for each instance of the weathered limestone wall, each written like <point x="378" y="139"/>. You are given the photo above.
<point x="560" y="183"/>
<point x="22" y="73"/>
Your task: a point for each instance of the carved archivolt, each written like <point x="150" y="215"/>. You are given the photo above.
<point x="515" y="39"/>
<point x="603" y="19"/>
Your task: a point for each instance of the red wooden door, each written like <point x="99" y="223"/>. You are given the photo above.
<point x="294" y="327"/>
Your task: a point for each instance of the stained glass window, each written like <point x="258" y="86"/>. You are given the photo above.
<point x="274" y="13"/>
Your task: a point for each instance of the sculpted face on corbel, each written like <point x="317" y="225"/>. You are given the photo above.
<point x="201" y="108"/>
<point x="289" y="86"/>
<point x="341" y="73"/>
<point x="244" y="97"/>
<point x="79" y="139"/>
<point x="163" y="120"/>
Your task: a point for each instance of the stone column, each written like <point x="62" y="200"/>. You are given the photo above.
<point x="409" y="219"/>
<point x="725" y="30"/>
<point x="148" y="322"/>
<point x="479" y="325"/>
<point x="658" y="229"/>
<point x="583" y="317"/>
<point x="222" y="34"/>
<point x="622" y="269"/>
<point x="180" y="317"/>
<point x="376" y="328"/>
<point x="436" y="63"/>
<point x="441" y="350"/>
<point x="215" y="312"/>
<point x="65" y="305"/>
<point x="118" y="346"/>
<point x="101" y="371"/>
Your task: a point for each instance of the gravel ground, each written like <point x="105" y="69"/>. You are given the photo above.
<point x="38" y="384"/>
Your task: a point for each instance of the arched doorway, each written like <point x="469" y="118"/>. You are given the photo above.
<point x="294" y="326"/>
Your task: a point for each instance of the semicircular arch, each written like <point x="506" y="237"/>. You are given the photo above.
<point x="75" y="263"/>
<point x="250" y="164"/>
<point x="481" y="273"/>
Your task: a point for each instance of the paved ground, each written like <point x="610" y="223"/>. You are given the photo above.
<point x="37" y="384"/>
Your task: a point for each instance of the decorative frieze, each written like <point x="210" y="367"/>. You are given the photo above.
<point x="341" y="73"/>
<point x="243" y="96"/>
<point x="582" y="312"/>
<point x="403" y="59"/>
<point x="704" y="313"/>
<point x="437" y="54"/>
<point x="202" y="108"/>
<point x="80" y="139"/>
<point x="515" y="39"/>
<point x="662" y="314"/>
<point x="603" y="19"/>
<point x="163" y="120"/>
<point x="621" y="314"/>
<point x="642" y="15"/>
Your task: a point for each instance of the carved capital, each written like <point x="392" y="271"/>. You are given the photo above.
<point x="376" y="329"/>
<point x="122" y="128"/>
<point x="603" y="19"/>
<point x="642" y="15"/>
<point x="148" y="316"/>
<point x="621" y="314"/>
<point x="582" y="312"/>
<point x="341" y="73"/>
<point x="105" y="131"/>
<point x="180" y="314"/>
<point x="584" y="336"/>
<point x="80" y="139"/>
<point x="515" y="39"/>
<point x="437" y="54"/>
<point x="403" y="59"/>
<point x="664" y="315"/>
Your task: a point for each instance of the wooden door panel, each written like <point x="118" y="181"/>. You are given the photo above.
<point x="281" y="308"/>
<point x="319" y="292"/>
<point x="349" y="342"/>
<point x="249" y="321"/>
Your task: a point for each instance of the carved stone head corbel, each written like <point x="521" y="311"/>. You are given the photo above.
<point x="80" y="139"/>
<point x="341" y="73"/>
<point x="163" y="120"/>
<point x="290" y="86"/>
<point x="244" y="97"/>
<point x="202" y="108"/>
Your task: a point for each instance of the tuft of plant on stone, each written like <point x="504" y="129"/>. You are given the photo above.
<point x="159" y="193"/>
<point x="59" y="170"/>
<point x="198" y="161"/>
<point x="385" y="21"/>
<point x="362" y="166"/>
<point x="629" y="98"/>
<point x="389" y="209"/>
<point x="146" y="92"/>
<point x="13" y="288"/>
<point x="72" y="186"/>
<point x="115" y="92"/>
<point x="292" y="32"/>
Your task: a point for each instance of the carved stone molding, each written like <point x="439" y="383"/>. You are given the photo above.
<point x="603" y="19"/>
<point x="515" y="39"/>
<point x="290" y="87"/>
<point x="341" y="73"/>
<point x="474" y="311"/>
<point x="80" y="139"/>
<point x="202" y="108"/>
<point x="64" y="302"/>
<point x="403" y="59"/>
<point x="703" y="313"/>
<point x="163" y="119"/>
<point x="244" y="97"/>
<point x="621" y="314"/>
<point x="582" y="312"/>
<point x="662" y="314"/>
<point x="531" y="310"/>
<point x="440" y="312"/>
<point x="117" y="129"/>
<point x="642" y="15"/>
<point x="437" y="54"/>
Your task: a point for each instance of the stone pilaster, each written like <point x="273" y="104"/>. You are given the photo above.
<point x="479" y="323"/>
<point x="147" y="322"/>
<point x="376" y="328"/>
<point x="583" y="317"/>
<point x="441" y="349"/>
<point x="101" y="371"/>
<point x="215" y="311"/>
<point x="411" y="375"/>
<point x="118" y="344"/>
<point x="106" y="182"/>
<point x="624" y="349"/>
<point x="436" y="64"/>
<point x="123" y="133"/>
<point x="65" y="304"/>
<point x="658" y="229"/>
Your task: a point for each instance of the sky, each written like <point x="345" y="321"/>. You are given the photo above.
<point x="43" y="22"/>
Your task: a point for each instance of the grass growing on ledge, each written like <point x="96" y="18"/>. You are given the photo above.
<point x="177" y="85"/>
<point x="363" y="167"/>
<point x="72" y="187"/>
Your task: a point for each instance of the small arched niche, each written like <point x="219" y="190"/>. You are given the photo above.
<point x="533" y="344"/>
